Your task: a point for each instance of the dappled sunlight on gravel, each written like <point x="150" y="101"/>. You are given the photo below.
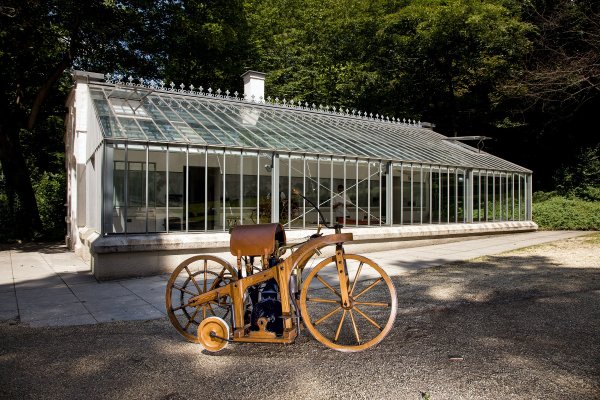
<point x="519" y="325"/>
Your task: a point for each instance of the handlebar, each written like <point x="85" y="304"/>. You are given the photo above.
<point x="337" y="226"/>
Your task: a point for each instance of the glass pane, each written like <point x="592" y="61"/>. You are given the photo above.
<point x="376" y="180"/>
<point x="233" y="193"/>
<point x="401" y="199"/>
<point x="265" y="188"/>
<point x="200" y="217"/>
<point x="118" y="214"/>
<point x="311" y="189"/>
<point x="131" y="130"/>
<point x="296" y="203"/>
<point x="362" y="200"/>
<point x="151" y="130"/>
<point x="435" y="194"/>
<point x="136" y="191"/>
<point x="325" y="192"/>
<point x="453" y="212"/>
<point x="216" y="170"/>
<point x="489" y="199"/>
<point x="284" y="190"/>
<point x="339" y="196"/>
<point x="157" y="191"/>
<point x="176" y="192"/>
<point x="249" y="188"/>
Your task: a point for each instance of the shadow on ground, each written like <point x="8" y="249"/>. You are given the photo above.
<point x="516" y="326"/>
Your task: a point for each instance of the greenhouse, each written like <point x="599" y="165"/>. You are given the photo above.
<point x="150" y="163"/>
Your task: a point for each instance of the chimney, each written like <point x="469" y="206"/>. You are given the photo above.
<point x="254" y="85"/>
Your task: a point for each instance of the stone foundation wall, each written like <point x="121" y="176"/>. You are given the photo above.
<point x="122" y="256"/>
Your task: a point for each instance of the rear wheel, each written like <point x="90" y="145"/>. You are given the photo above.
<point x="360" y="323"/>
<point x="194" y="276"/>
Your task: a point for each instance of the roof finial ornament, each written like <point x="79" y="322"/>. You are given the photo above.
<point x="209" y="91"/>
<point x="235" y="94"/>
<point x="218" y="92"/>
<point x="227" y="94"/>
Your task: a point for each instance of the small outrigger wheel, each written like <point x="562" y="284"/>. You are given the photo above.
<point x="213" y="334"/>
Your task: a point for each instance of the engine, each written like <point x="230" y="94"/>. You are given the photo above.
<point x="265" y="304"/>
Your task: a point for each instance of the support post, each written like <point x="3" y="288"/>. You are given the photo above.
<point x="389" y="188"/>
<point x="275" y="188"/>
<point x="469" y="196"/>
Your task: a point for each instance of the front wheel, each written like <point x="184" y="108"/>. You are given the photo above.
<point x="364" y="320"/>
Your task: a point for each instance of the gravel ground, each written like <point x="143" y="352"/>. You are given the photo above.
<point x="521" y="325"/>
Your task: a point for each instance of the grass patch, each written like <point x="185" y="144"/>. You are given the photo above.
<point x="593" y="238"/>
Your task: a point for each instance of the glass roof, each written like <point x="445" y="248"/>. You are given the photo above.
<point x="128" y="113"/>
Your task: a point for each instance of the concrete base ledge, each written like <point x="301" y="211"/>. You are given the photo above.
<point x="121" y="256"/>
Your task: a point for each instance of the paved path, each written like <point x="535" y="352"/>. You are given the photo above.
<point x="50" y="286"/>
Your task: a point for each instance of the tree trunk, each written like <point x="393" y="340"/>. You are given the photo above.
<point x="15" y="171"/>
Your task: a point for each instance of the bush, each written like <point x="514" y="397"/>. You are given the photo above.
<point x="543" y="196"/>
<point x="567" y="213"/>
<point x="50" y="193"/>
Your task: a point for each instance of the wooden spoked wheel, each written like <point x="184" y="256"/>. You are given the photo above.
<point x="362" y="322"/>
<point x="194" y="276"/>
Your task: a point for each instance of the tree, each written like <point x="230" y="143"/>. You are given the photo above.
<point x="205" y="43"/>
<point x="445" y="58"/>
<point x="564" y="66"/>
<point x="556" y="92"/>
<point x="40" y="41"/>
<point x="317" y="51"/>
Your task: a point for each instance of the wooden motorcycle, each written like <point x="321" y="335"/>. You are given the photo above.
<point x="347" y="302"/>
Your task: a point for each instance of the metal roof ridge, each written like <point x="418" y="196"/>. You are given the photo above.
<point x="218" y="95"/>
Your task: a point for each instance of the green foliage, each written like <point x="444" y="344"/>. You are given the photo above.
<point x="6" y="218"/>
<point x="445" y="58"/>
<point x="540" y="196"/>
<point x="567" y="213"/>
<point x="444" y="61"/>
<point x="581" y="178"/>
<point x="50" y="193"/>
<point x="319" y="51"/>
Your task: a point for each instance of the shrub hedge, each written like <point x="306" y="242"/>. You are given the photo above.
<point x="559" y="212"/>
